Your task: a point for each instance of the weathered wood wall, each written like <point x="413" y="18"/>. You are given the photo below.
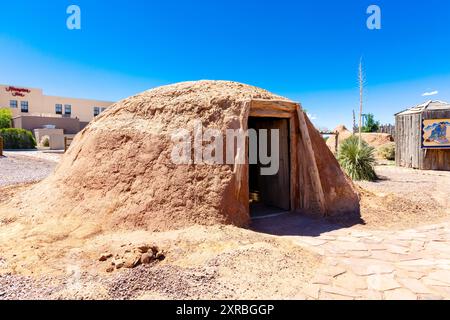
<point x="408" y="138"/>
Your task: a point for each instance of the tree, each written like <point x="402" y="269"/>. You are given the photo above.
<point x="5" y="118"/>
<point x="371" y="125"/>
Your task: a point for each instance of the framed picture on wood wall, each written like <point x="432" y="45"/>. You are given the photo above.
<point x="436" y="134"/>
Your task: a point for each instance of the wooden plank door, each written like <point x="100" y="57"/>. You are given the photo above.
<point x="275" y="189"/>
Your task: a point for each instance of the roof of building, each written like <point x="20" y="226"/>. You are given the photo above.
<point x="427" y="106"/>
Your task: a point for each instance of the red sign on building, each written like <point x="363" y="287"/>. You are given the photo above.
<point x="17" y="92"/>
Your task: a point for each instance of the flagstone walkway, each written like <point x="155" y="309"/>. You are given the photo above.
<point x="410" y="264"/>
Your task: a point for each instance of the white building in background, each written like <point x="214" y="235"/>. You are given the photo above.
<point x="32" y="110"/>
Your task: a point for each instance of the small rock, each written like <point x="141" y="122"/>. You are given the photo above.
<point x="133" y="262"/>
<point x="147" y="258"/>
<point x="105" y="256"/>
<point x="110" y="269"/>
<point x="155" y="250"/>
<point x="160" y="256"/>
<point x="143" y="248"/>
<point x="119" y="264"/>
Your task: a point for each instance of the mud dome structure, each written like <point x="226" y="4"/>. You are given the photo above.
<point x="119" y="170"/>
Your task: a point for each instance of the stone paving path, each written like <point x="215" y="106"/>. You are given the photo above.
<point x="409" y="264"/>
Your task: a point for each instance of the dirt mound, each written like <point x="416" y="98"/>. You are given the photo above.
<point x="377" y="139"/>
<point x="119" y="173"/>
<point x="341" y="128"/>
<point x="373" y="139"/>
<point x="344" y="133"/>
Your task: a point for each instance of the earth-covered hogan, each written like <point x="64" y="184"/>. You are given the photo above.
<point x="119" y="173"/>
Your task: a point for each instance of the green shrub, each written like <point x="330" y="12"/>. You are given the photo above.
<point x="5" y="118"/>
<point x="45" y="142"/>
<point x="17" y="139"/>
<point x="357" y="162"/>
<point x="371" y="124"/>
<point x="387" y="151"/>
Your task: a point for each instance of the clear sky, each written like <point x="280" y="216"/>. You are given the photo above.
<point x="306" y="50"/>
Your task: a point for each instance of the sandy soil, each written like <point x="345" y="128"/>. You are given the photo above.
<point x="201" y="262"/>
<point x="50" y="260"/>
<point x="404" y="198"/>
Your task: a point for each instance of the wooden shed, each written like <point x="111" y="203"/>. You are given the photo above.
<point x="418" y="146"/>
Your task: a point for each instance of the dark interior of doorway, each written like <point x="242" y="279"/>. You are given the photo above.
<point x="270" y="195"/>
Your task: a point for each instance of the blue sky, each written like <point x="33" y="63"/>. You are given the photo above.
<point x="308" y="51"/>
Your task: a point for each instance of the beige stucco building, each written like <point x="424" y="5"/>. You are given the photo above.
<point x="30" y="107"/>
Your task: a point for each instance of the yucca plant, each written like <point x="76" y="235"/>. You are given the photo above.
<point x="358" y="162"/>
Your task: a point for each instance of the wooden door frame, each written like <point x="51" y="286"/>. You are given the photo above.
<point x="284" y="110"/>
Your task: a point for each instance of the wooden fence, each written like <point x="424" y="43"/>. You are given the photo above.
<point x="384" y="128"/>
<point x="387" y="128"/>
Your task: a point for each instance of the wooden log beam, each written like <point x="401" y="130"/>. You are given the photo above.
<point x="269" y="113"/>
<point x="281" y="105"/>
<point x="241" y="153"/>
<point x="311" y="160"/>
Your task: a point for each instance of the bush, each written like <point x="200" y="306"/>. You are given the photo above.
<point x="357" y="162"/>
<point x="387" y="151"/>
<point x="45" y="142"/>
<point x="5" y="118"/>
<point x="17" y="139"/>
<point x="371" y="124"/>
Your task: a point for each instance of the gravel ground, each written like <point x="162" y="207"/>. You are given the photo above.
<point x="37" y="154"/>
<point x="17" y="287"/>
<point x="23" y="167"/>
<point x="169" y="282"/>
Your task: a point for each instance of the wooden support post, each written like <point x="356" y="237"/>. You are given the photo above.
<point x="241" y="153"/>
<point x="311" y="160"/>
<point x="337" y="142"/>
<point x="1" y="146"/>
<point x="67" y="142"/>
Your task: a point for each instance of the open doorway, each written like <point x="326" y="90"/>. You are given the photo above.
<point x="270" y="194"/>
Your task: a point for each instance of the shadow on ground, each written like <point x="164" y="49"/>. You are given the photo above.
<point x="298" y="224"/>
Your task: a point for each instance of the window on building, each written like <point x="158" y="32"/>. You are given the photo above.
<point x="58" y="108"/>
<point x="96" y="111"/>
<point x="67" y="109"/>
<point x="13" y="104"/>
<point x="24" y="106"/>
